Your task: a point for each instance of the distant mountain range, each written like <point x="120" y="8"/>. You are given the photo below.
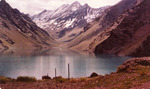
<point x="108" y="30"/>
<point x="65" y="18"/>
<point x="99" y="30"/>
<point x="122" y="29"/>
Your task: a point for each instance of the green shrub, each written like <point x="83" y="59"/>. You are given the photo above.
<point x="93" y="75"/>
<point x="26" y="79"/>
<point x="46" y="77"/>
<point x="60" y="79"/>
<point x="4" y="80"/>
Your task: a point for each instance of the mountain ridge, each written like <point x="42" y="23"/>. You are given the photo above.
<point x="99" y="30"/>
<point x="18" y="31"/>
<point x="132" y="34"/>
<point x="67" y="17"/>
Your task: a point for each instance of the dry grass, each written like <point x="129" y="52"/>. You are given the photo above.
<point x="83" y="79"/>
<point x="123" y="80"/>
<point x="60" y="79"/>
<point x="135" y="76"/>
<point x="72" y="80"/>
<point x="26" y="79"/>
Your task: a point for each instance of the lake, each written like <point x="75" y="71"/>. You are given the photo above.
<point x="13" y="65"/>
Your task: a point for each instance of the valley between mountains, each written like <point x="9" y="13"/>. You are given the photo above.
<point x="122" y="29"/>
<point x="117" y="30"/>
<point x="109" y="32"/>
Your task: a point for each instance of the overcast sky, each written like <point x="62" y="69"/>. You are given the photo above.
<point x="36" y="6"/>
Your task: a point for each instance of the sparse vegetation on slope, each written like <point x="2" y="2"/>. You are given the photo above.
<point x="26" y="79"/>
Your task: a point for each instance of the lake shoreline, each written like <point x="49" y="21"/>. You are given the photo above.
<point x="37" y="66"/>
<point x="132" y="73"/>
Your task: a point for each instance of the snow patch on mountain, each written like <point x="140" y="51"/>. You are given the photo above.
<point x="67" y="17"/>
<point x="69" y="23"/>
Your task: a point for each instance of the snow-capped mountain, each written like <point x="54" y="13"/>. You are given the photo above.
<point x="66" y="17"/>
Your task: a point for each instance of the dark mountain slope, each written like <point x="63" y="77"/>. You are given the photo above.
<point x="98" y="30"/>
<point x="131" y="37"/>
<point x="18" y="31"/>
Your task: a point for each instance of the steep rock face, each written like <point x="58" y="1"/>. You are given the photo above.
<point x="131" y="36"/>
<point x="67" y="17"/>
<point x="98" y="30"/>
<point x="18" y="31"/>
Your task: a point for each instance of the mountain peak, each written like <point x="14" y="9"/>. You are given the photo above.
<point x="86" y="5"/>
<point x="3" y="1"/>
<point x="74" y="6"/>
<point x="63" y="6"/>
<point x="76" y="3"/>
<point x="4" y="4"/>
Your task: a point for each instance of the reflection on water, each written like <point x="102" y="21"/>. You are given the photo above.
<point x="39" y="65"/>
<point x="31" y="52"/>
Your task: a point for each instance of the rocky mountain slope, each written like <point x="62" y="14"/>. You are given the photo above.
<point x="97" y="31"/>
<point x="18" y="31"/>
<point x="131" y="37"/>
<point x="67" y="17"/>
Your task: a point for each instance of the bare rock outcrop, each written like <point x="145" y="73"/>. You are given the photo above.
<point x="145" y="61"/>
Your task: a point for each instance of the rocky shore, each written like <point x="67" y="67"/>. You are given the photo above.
<point x="134" y="74"/>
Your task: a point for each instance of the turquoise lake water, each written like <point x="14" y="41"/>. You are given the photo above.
<point x="39" y="65"/>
